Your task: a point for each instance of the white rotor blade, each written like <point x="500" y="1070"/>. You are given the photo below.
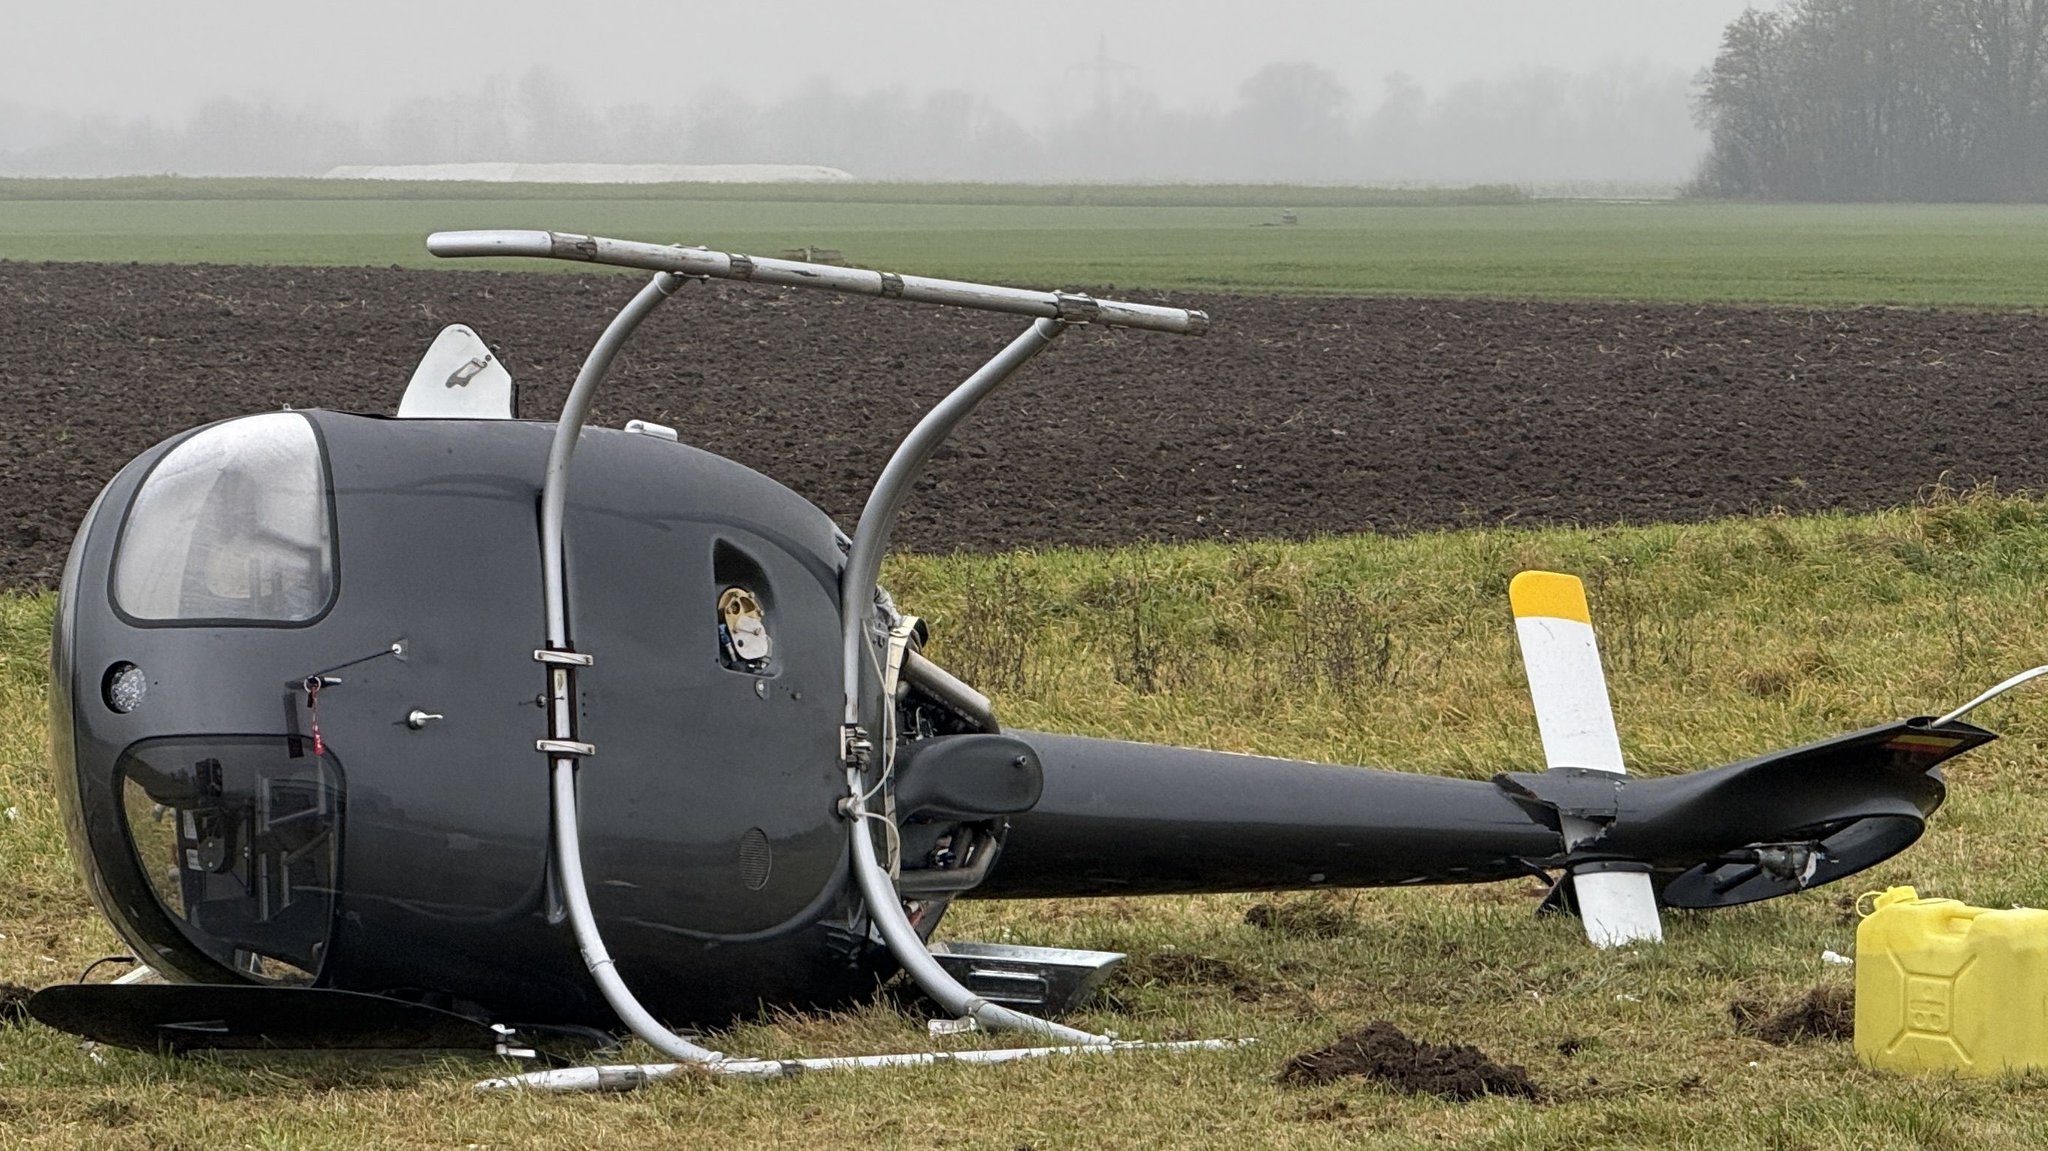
<point x="1577" y="724"/>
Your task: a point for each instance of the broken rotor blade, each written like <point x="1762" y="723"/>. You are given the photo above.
<point x="1576" y="720"/>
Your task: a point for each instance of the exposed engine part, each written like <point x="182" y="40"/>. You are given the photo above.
<point x="743" y="628"/>
<point x="949" y="690"/>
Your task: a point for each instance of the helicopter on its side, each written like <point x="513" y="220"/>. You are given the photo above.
<point x="382" y="732"/>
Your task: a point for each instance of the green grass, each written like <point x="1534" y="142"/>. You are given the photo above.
<point x="1982" y="256"/>
<point x="1723" y="639"/>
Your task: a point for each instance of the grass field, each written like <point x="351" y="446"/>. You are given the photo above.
<point x="1347" y="241"/>
<point x="1723" y="639"/>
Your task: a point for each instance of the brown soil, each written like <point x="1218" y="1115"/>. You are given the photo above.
<point x="1827" y="1012"/>
<point x="1293" y="417"/>
<point x="1381" y="1052"/>
<point x="14" y="1003"/>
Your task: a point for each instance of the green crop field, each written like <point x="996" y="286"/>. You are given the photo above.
<point x="1215" y="239"/>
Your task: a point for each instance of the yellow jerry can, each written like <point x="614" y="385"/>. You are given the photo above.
<point x="1943" y="986"/>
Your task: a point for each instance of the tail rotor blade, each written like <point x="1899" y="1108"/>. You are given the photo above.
<point x="1565" y="681"/>
<point x="1617" y="908"/>
<point x="1576" y="719"/>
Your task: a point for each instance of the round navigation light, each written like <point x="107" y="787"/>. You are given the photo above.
<point x="124" y="687"/>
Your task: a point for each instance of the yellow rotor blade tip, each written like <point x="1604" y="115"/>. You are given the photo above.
<point x="1553" y="594"/>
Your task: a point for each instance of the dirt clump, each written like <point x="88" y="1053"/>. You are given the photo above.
<point x="1382" y="1052"/>
<point x="14" y="1003"/>
<point x="1826" y="1013"/>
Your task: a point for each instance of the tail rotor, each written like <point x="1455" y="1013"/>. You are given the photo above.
<point x="1555" y="627"/>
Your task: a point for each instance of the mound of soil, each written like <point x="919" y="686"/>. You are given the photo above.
<point x="1381" y="1052"/>
<point x="14" y="1003"/>
<point x="1827" y="1013"/>
<point x="1292" y="417"/>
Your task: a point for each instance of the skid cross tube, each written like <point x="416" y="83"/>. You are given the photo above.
<point x="829" y="277"/>
<point x="626" y="1076"/>
<point x="1053" y="312"/>
<point x="878" y="516"/>
<point x="563" y="748"/>
<point x="857" y="584"/>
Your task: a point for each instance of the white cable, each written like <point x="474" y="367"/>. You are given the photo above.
<point x="1994" y="693"/>
<point x="895" y="838"/>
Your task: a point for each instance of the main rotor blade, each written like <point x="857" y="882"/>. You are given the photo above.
<point x="1616" y="902"/>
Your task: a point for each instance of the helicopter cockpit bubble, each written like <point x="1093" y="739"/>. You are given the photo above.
<point x="234" y="525"/>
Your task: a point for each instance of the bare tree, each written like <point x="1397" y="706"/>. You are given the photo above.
<point x="1880" y="99"/>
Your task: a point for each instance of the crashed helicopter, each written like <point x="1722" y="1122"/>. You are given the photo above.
<point x="457" y="730"/>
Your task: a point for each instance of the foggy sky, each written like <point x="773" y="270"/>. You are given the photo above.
<point x="134" y="60"/>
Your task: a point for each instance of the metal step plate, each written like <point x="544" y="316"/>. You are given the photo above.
<point x="1038" y="980"/>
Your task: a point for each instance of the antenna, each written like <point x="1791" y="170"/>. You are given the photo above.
<point x="1111" y="78"/>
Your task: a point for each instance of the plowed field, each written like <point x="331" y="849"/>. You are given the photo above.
<point x="1292" y="417"/>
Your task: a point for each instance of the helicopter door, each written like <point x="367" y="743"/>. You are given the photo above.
<point x="708" y="807"/>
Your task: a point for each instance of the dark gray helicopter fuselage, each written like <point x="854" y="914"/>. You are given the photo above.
<point x="712" y="843"/>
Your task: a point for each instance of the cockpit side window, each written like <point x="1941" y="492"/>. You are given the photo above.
<point x="234" y="525"/>
<point x="239" y="838"/>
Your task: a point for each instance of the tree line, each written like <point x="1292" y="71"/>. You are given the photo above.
<point x="1291" y="122"/>
<point x="1879" y="100"/>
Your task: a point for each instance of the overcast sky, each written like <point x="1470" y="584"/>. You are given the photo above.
<point x="152" y="58"/>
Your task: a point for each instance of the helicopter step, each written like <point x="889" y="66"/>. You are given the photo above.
<point x="1041" y="980"/>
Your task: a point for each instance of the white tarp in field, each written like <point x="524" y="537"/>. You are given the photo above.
<point x="597" y="173"/>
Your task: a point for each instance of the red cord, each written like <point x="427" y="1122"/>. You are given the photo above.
<point x="313" y="714"/>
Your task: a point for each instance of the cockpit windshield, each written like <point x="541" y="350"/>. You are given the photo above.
<point x="233" y="525"/>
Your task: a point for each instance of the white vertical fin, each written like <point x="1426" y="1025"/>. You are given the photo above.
<point x="1576" y="720"/>
<point x="459" y="378"/>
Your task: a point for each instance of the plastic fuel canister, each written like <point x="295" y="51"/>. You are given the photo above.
<point x="1943" y="986"/>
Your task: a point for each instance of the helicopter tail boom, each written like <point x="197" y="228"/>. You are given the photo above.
<point x="1121" y="818"/>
